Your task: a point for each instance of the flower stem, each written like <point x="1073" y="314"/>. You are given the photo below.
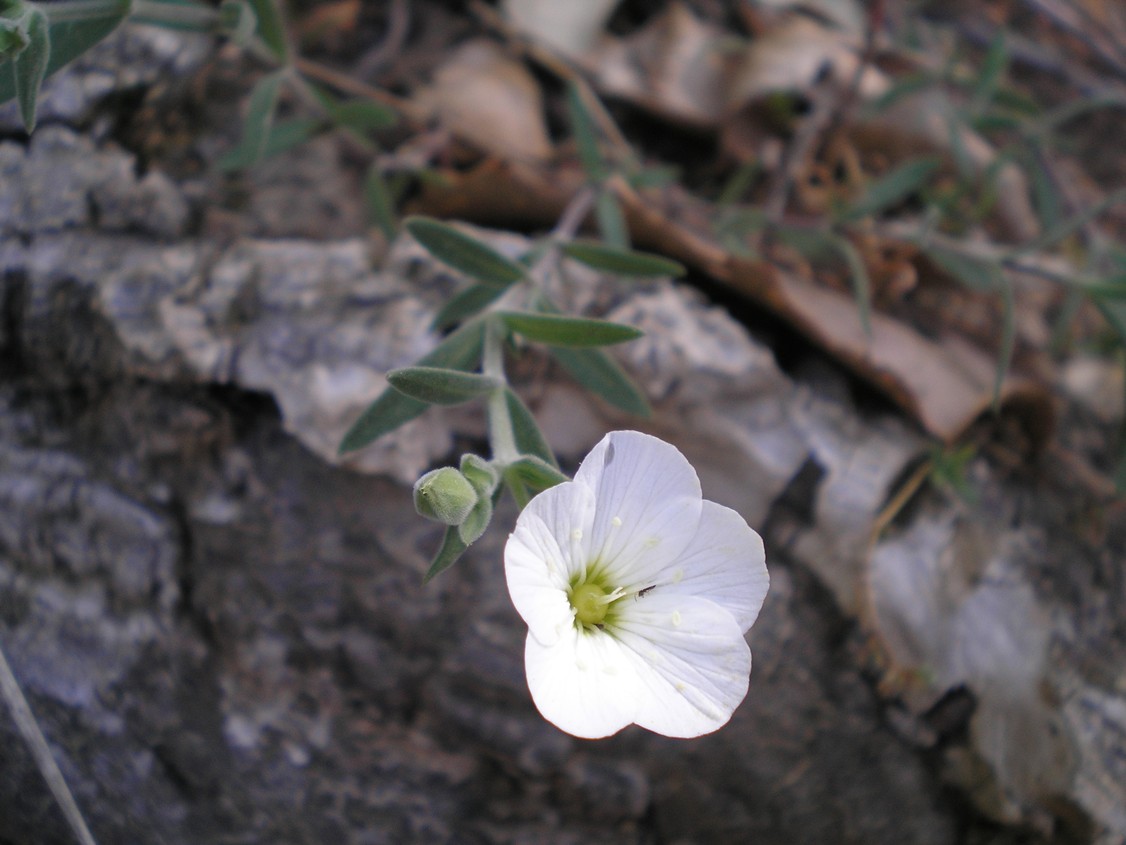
<point x="501" y="436"/>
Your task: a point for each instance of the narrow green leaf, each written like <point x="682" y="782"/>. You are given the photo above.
<point x="460" y="351"/>
<point x="861" y="285"/>
<point x="893" y="188"/>
<point x="465" y="304"/>
<point x="184" y="15"/>
<point x="271" y="27"/>
<point x="1073" y="223"/>
<point x="1120" y="466"/>
<point x="963" y="161"/>
<point x="559" y="330"/>
<point x="453" y="547"/>
<point x="282" y="136"/>
<point x="30" y="66"/>
<point x="734" y="228"/>
<point x="586" y="135"/>
<point x="905" y="87"/>
<point x="536" y="473"/>
<point x="519" y="490"/>
<point x="1112" y="288"/>
<point x="654" y="177"/>
<point x="993" y="122"/>
<point x="611" y="221"/>
<point x="1045" y="195"/>
<point x="739" y="183"/>
<point x="621" y="261"/>
<point x="980" y="274"/>
<point x="362" y="116"/>
<point x="379" y="200"/>
<point x="1115" y="313"/>
<point x="529" y="438"/>
<point x="984" y="275"/>
<point x="259" y="120"/>
<point x="439" y="386"/>
<point x="464" y="253"/>
<point x="1018" y="103"/>
<point x="989" y="78"/>
<point x="238" y="21"/>
<point x="598" y="373"/>
<point x="69" y="39"/>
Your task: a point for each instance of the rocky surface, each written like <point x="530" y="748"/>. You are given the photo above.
<point x="223" y="630"/>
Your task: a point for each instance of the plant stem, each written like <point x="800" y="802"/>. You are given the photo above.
<point x="501" y="436"/>
<point x="41" y="752"/>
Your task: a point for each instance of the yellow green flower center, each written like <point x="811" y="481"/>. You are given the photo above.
<point x="590" y="602"/>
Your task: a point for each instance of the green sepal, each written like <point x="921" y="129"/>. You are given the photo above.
<point x="474" y="525"/>
<point x="461" y="350"/>
<point x="622" y="262"/>
<point x="464" y="252"/>
<point x="441" y="386"/>
<point x="560" y="330"/>
<point x="452" y="548"/>
<point x="480" y="473"/>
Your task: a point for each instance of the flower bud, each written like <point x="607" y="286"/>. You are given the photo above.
<point x="480" y="473"/>
<point x="445" y="496"/>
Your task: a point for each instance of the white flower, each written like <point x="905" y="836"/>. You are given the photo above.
<point x="636" y="593"/>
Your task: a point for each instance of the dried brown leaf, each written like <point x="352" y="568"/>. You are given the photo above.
<point x="490" y="100"/>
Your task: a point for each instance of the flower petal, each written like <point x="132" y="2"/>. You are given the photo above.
<point x="544" y="551"/>
<point x="725" y="562"/>
<point x="691" y="659"/>
<point x="647" y="508"/>
<point x="584" y="683"/>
